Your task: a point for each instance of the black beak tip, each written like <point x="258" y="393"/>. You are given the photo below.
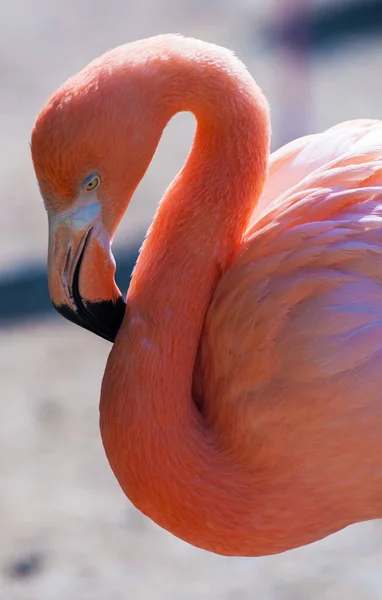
<point x="103" y="318"/>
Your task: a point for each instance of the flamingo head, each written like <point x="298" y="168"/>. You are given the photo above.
<point x="91" y="145"/>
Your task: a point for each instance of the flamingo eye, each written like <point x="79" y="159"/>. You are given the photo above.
<point x="92" y="182"/>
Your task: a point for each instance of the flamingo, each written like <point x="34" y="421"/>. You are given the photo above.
<point x="241" y="401"/>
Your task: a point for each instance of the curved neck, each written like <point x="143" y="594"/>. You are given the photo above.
<point x="169" y="463"/>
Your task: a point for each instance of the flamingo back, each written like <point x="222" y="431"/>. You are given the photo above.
<point x="292" y="342"/>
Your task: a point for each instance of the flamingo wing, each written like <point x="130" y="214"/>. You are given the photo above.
<point x="298" y="159"/>
<point x="291" y="349"/>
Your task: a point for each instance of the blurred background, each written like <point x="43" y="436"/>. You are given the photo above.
<point x="66" y="529"/>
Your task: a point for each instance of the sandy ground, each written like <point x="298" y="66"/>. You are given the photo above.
<point x="67" y="531"/>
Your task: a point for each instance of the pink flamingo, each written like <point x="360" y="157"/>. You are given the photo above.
<point x="241" y="402"/>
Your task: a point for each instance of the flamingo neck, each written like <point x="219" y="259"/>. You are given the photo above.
<point x="170" y="464"/>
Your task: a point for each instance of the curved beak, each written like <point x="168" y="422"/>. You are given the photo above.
<point x="81" y="271"/>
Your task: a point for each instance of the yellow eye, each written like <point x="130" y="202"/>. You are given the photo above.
<point x="91" y="183"/>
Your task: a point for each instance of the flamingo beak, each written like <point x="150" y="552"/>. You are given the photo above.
<point x="81" y="271"/>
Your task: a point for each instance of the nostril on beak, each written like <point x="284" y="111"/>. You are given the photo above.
<point x="66" y="270"/>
